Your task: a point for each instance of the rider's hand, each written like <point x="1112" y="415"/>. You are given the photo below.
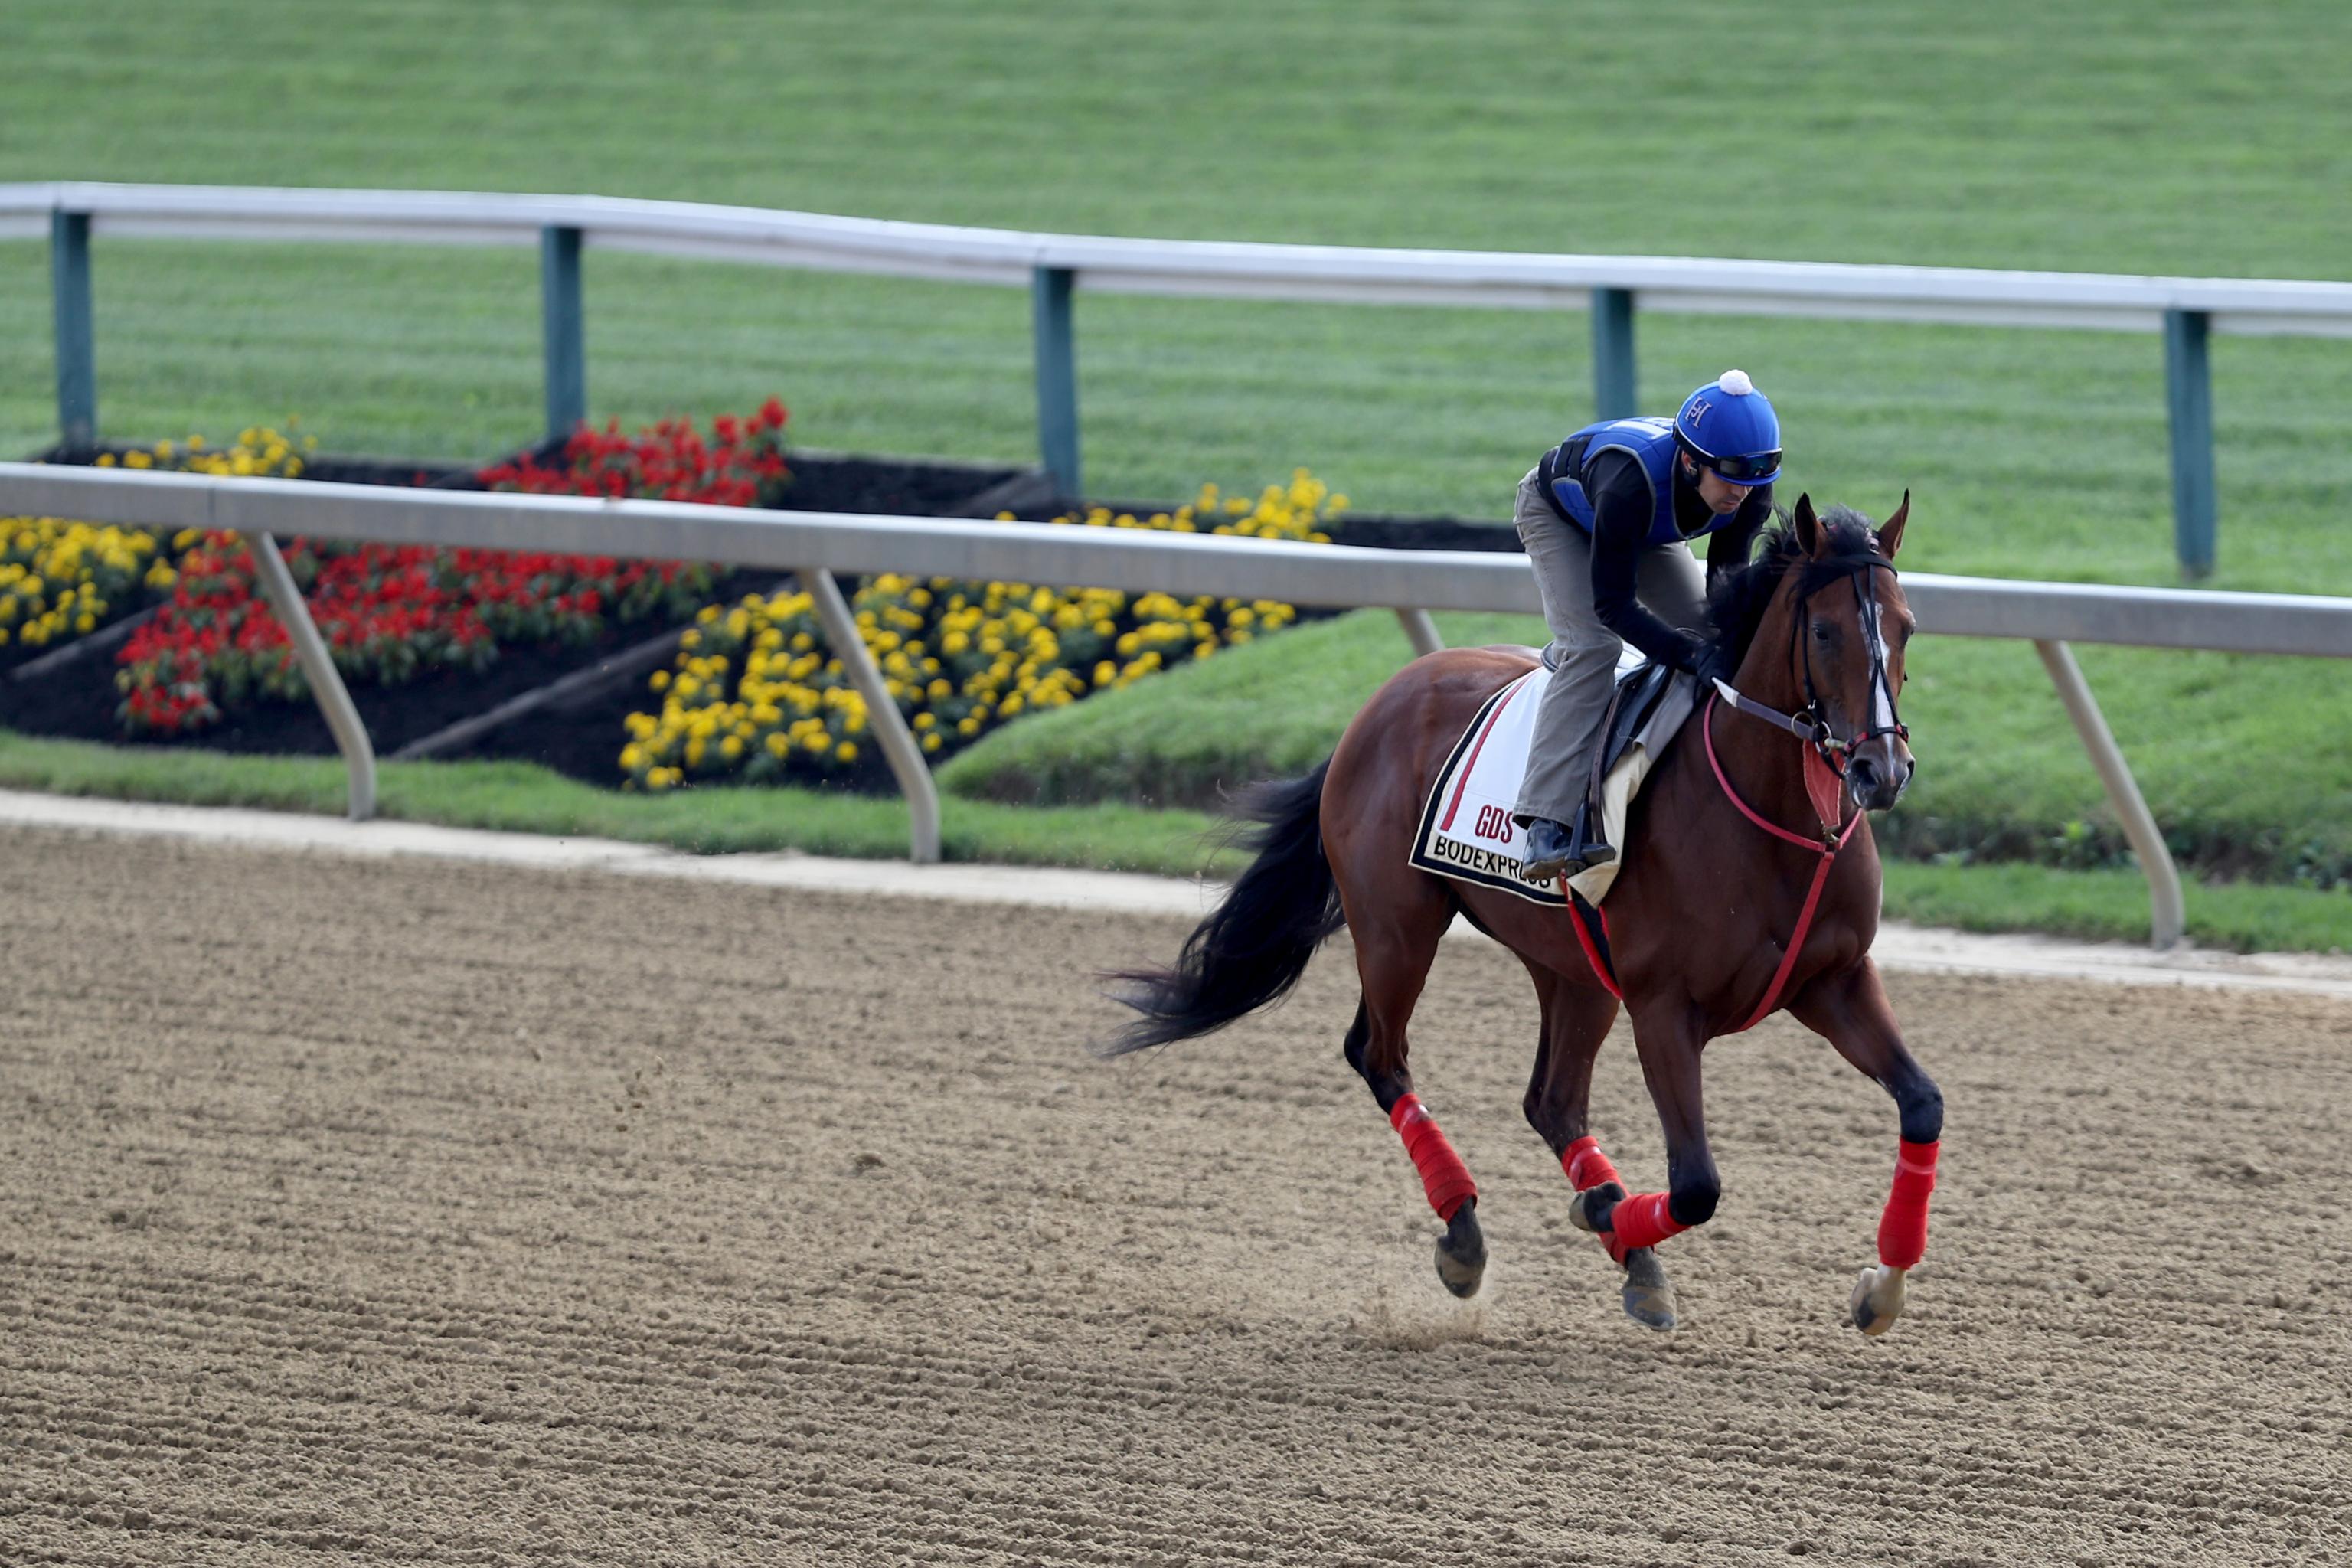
<point x="1713" y="665"/>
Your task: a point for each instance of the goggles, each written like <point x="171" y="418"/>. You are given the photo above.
<point x="1750" y="469"/>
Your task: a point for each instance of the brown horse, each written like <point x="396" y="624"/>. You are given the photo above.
<point x="1749" y="883"/>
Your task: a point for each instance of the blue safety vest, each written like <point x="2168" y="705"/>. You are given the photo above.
<point x="1649" y="442"/>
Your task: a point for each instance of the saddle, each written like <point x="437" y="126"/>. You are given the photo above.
<point x="1466" y="830"/>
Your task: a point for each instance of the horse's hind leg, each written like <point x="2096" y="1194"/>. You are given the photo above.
<point x="1576" y="1019"/>
<point x="1395" y="944"/>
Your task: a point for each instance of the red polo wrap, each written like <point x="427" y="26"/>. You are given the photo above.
<point x="1641" y="1220"/>
<point x="1586" y="1165"/>
<point x="1903" y="1229"/>
<point x="1442" y="1175"/>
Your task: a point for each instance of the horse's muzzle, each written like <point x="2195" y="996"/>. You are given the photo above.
<point x="1877" y="774"/>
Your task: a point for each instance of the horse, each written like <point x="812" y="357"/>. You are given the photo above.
<point x="1750" y="884"/>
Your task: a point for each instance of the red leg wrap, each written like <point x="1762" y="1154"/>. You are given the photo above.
<point x="1442" y="1175"/>
<point x="1586" y="1165"/>
<point x="1642" y="1220"/>
<point x="1903" y="1229"/>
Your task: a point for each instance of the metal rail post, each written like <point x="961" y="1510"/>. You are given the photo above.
<point x="1421" y="630"/>
<point x="562" y="328"/>
<point x="890" y="725"/>
<point x="76" y="354"/>
<point x="2168" y="917"/>
<point x="1057" y="376"/>
<point x="319" y="668"/>
<point x="1613" y="394"/>
<point x="2188" y="403"/>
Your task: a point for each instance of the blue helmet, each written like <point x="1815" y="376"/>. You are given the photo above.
<point x="1730" y="427"/>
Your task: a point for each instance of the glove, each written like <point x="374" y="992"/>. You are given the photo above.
<point x="1713" y="665"/>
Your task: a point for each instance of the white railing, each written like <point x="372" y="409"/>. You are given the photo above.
<point x="818" y="544"/>
<point x="1055" y="266"/>
<point x="1343" y="274"/>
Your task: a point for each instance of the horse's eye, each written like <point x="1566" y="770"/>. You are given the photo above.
<point x="1821" y="631"/>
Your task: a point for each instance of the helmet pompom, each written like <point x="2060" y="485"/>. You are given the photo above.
<point x="1735" y="382"/>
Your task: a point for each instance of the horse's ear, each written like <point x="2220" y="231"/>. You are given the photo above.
<point x="1890" y="533"/>
<point x="1812" y="537"/>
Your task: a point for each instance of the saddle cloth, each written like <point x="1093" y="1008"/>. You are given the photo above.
<point x="1466" y="832"/>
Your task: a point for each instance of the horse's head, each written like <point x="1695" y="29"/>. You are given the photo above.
<point x="1818" y="624"/>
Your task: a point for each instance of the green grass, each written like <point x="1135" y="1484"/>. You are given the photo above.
<point x="2246" y="766"/>
<point x="520" y="798"/>
<point x="2105" y="137"/>
<point x="523" y="797"/>
<point x="2112" y="906"/>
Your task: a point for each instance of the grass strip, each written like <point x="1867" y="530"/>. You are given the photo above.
<point x="523" y="797"/>
<point x="2112" y="906"/>
<point x="2245" y="762"/>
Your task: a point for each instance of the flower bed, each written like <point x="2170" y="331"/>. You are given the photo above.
<point x="390" y="613"/>
<point x="742" y="463"/>
<point x="754" y="696"/>
<point x="61" y="579"/>
<point x="387" y="613"/>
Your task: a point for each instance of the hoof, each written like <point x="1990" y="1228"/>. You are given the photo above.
<point x="1877" y="1300"/>
<point x="1462" y="1253"/>
<point x="1649" y="1298"/>
<point x="1590" y="1206"/>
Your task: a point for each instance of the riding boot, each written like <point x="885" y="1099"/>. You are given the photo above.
<point x="1549" y="854"/>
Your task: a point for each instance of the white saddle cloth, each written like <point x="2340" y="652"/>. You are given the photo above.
<point x="1466" y="831"/>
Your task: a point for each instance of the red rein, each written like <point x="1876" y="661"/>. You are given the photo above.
<point x="1443" y="1176"/>
<point x="1826" y="849"/>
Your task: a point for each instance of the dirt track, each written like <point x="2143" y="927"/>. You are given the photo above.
<point x="374" y="1212"/>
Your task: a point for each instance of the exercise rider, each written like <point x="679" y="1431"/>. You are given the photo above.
<point x="1607" y="517"/>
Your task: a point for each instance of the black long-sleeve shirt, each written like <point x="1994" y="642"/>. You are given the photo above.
<point x="1621" y="509"/>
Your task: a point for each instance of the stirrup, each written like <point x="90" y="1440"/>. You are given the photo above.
<point x="1584" y="851"/>
<point x="1558" y="858"/>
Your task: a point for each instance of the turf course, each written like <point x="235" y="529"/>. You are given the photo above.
<point x="2110" y="137"/>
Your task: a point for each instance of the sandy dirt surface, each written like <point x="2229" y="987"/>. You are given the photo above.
<point x="393" y="1211"/>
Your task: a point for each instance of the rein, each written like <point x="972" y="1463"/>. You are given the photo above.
<point x="1809" y="724"/>
<point x="1825" y="848"/>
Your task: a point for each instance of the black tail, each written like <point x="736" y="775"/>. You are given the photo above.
<point x="1254" y="946"/>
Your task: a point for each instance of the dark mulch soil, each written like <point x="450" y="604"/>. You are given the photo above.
<point x="79" y="702"/>
<point x="582" y="738"/>
<point x="1425" y="533"/>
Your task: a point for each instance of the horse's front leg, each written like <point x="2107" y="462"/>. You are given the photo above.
<point x="1668" y="1040"/>
<point x="1575" y="1022"/>
<point x="1850" y="1010"/>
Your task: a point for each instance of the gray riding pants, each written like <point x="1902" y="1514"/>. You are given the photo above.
<point x="1670" y="583"/>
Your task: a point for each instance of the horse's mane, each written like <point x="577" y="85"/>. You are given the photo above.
<point x="1735" y="605"/>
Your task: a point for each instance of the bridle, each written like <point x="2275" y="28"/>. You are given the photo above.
<point x="1810" y="723"/>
